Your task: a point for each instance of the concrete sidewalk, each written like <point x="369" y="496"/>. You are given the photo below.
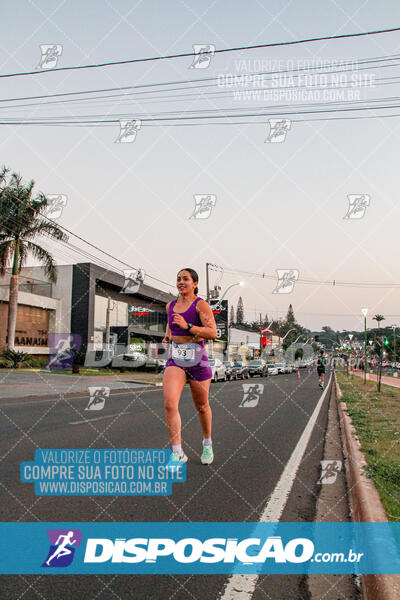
<point x="393" y="381"/>
<point x="16" y="384"/>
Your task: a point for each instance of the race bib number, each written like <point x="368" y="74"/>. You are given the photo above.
<point x="185" y="352"/>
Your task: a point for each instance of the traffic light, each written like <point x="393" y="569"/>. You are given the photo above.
<point x="386" y="342"/>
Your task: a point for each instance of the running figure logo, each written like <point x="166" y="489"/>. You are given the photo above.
<point x="329" y="471"/>
<point x="203" y="54"/>
<point x="62" y="348"/>
<point x="357" y="206"/>
<point x="55" y="206"/>
<point x="128" y="131"/>
<point x="252" y="394"/>
<point x="278" y="129"/>
<point x="62" y="547"/>
<point x="133" y="279"/>
<point x="98" y="397"/>
<point x="50" y="54"/>
<point x="203" y="204"/>
<point x="286" y="280"/>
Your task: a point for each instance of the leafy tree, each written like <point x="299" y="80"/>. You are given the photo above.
<point x="290" y="320"/>
<point x="329" y="330"/>
<point x="240" y="312"/>
<point x="21" y="223"/>
<point x="378" y="319"/>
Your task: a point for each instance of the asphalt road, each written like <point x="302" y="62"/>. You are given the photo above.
<point x="251" y="447"/>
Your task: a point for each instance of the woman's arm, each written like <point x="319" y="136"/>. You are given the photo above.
<point x="167" y="336"/>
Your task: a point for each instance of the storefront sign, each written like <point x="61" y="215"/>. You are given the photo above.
<point x="220" y="312"/>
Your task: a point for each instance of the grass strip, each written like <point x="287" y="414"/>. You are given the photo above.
<point x="376" y="418"/>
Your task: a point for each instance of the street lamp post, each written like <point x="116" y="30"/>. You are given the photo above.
<point x="220" y="299"/>
<point x="228" y="288"/>
<point x="287" y="333"/>
<point x="365" y="312"/>
<point x="394" y="352"/>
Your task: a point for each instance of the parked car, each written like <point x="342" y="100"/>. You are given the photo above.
<point x="257" y="367"/>
<point x="133" y="360"/>
<point x="302" y="364"/>
<point x="154" y="363"/>
<point x="272" y="370"/>
<point x="231" y="371"/>
<point x="218" y="370"/>
<point x="280" y="367"/>
<point x="241" y="369"/>
<point x="288" y="368"/>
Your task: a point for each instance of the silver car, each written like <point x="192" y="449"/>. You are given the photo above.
<point x="132" y="360"/>
<point x="218" y="370"/>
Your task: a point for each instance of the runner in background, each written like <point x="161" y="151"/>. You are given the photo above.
<point x="321" y="369"/>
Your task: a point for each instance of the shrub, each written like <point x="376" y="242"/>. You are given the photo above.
<point x="14" y="358"/>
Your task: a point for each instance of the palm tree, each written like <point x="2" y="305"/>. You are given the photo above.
<point x="21" y="222"/>
<point x="378" y="318"/>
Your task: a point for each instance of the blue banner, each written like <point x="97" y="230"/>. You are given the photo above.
<point x="199" y="548"/>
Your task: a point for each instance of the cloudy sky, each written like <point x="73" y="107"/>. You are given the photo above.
<point x="275" y="205"/>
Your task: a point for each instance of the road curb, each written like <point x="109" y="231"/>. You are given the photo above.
<point x="365" y="503"/>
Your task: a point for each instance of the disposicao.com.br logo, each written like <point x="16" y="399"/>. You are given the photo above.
<point x="248" y="551"/>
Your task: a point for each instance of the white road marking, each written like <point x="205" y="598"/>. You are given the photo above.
<point x="120" y="392"/>
<point x="98" y="418"/>
<point x="241" y="587"/>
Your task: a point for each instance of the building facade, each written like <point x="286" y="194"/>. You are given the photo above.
<point x="85" y="300"/>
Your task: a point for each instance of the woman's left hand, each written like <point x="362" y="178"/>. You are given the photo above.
<point x="179" y="320"/>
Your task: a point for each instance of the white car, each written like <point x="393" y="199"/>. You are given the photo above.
<point x="280" y="367"/>
<point x="272" y="370"/>
<point x="132" y="360"/>
<point x="218" y="370"/>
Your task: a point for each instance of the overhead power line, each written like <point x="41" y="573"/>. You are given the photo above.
<point x="303" y="280"/>
<point x="339" y="68"/>
<point x="191" y="119"/>
<point x="92" y="246"/>
<point x="187" y="54"/>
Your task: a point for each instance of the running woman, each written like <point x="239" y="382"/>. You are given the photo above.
<point x="190" y="321"/>
<point x="321" y="369"/>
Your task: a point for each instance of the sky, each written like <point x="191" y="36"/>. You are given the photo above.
<point x="274" y="205"/>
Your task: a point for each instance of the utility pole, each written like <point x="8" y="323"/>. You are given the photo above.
<point x="394" y="351"/>
<point x="365" y="351"/>
<point x="380" y="367"/>
<point x="108" y="311"/>
<point x="207" y="282"/>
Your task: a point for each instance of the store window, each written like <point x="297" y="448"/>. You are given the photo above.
<point x="147" y="318"/>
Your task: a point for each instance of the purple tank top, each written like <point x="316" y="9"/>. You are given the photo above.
<point x="190" y="315"/>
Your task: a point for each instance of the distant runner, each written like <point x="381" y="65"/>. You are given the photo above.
<point x="321" y="369"/>
<point x="190" y="321"/>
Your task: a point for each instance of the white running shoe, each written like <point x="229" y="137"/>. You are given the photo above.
<point x="176" y="460"/>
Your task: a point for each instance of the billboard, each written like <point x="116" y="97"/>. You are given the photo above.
<point x="220" y="312"/>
